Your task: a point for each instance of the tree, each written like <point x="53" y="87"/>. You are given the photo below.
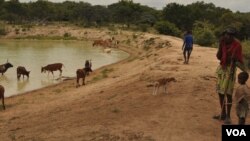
<point x="41" y="10"/>
<point x="178" y="14"/>
<point x="13" y="11"/>
<point x="125" y="12"/>
<point x="203" y="33"/>
<point x="167" y="28"/>
<point x="101" y="15"/>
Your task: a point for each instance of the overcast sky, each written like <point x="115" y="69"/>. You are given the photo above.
<point x="234" y="5"/>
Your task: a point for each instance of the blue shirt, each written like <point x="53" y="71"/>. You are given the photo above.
<point x="188" y="41"/>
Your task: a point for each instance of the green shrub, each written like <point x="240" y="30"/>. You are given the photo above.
<point x="246" y="52"/>
<point x="204" y="38"/>
<point x="203" y="32"/>
<point x="143" y="27"/>
<point x="66" y="35"/>
<point x="3" y="30"/>
<point x="165" y="27"/>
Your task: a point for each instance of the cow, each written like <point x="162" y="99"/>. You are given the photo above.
<point x="52" y="67"/>
<point x="107" y="50"/>
<point x="5" y="67"/>
<point x="81" y="73"/>
<point x="2" y="95"/>
<point x="103" y="43"/>
<point x="22" y="71"/>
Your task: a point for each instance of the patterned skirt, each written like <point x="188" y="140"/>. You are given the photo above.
<point x="225" y="80"/>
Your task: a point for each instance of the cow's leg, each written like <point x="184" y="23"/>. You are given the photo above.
<point x="83" y="80"/>
<point x="3" y="103"/>
<point x="18" y="76"/>
<point x="52" y="73"/>
<point x="77" y="82"/>
<point x="157" y="88"/>
<point x="154" y="90"/>
<point x="165" y="88"/>
<point x="60" y="72"/>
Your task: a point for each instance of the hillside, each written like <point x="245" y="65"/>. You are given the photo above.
<point x="120" y="106"/>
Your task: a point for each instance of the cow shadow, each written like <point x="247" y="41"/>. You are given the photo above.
<point x="4" y="78"/>
<point x="22" y="83"/>
<point x="49" y="80"/>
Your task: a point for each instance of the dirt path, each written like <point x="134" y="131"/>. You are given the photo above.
<point x="120" y="106"/>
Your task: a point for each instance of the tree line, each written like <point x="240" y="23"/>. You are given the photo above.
<point x="205" y="19"/>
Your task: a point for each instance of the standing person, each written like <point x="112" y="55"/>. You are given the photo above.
<point x="88" y="66"/>
<point x="187" y="46"/>
<point x="242" y="96"/>
<point x="230" y="57"/>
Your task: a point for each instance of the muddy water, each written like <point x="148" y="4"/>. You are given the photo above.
<point x="35" y="54"/>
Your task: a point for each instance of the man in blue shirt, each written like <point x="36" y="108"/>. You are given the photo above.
<point x="187" y="46"/>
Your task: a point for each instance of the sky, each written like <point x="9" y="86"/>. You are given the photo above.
<point x="234" y="5"/>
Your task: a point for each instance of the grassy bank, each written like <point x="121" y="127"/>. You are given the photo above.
<point x="246" y="52"/>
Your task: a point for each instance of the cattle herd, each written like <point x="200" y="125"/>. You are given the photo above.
<point x="21" y="71"/>
<point x="80" y="73"/>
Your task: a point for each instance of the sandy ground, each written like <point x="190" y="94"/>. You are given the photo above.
<point x="120" y="106"/>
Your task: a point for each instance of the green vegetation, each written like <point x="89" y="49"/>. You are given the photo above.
<point x="43" y="37"/>
<point x="3" y="30"/>
<point x="148" y="42"/>
<point x="246" y="52"/>
<point x="174" y="19"/>
<point x="165" y="27"/>
<point x="104" y="74"/>
<point x="203" y="33"/>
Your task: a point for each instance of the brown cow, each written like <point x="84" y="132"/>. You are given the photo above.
<point x="81" y="73"/>
<point x="2" y="95"/>
<point x="52" y="67"/>
<point x="22" y="71"/>
<point x="104" y="43"/>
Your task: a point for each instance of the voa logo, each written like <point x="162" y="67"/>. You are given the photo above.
<point x="236" y="132"/>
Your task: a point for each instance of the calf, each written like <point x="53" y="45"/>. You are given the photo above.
<point x="22" y="71"/>
<point x="107" y="50"/>
<point x="52" y="67"/>
<point x="162" y="82"/>
<point x="81" y="73"/>
<point x="2" y="95"/>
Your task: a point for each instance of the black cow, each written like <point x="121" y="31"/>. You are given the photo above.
<point x="22" y="71"/>
<point x="5" y="67"/>
<point x="52" y="67"/>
